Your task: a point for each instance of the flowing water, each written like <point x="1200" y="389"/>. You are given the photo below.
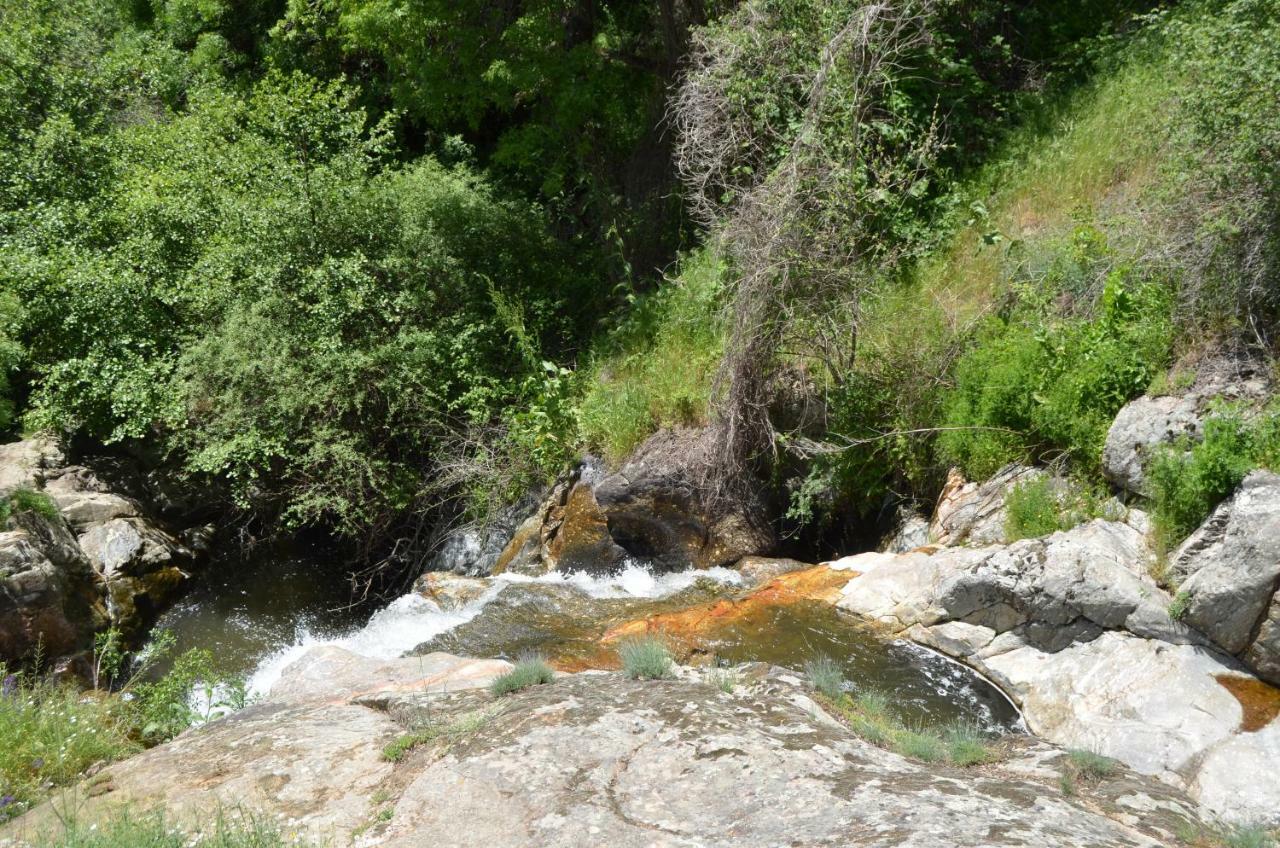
<point x="258" y="616"/>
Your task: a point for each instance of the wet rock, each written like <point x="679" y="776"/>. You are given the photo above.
<point x="578" y="535"/>
<point x="974" y="513"/>
<point x="523" y="553"/>
<point x="449" y="590"/>
<point x="656" y="511"/>
<point x="1230" y="567"/>
<point x="756" y="570"/>
<point x="475" y="551"/>
<point x="593" y="759"/>
<point x="143" y="567"/>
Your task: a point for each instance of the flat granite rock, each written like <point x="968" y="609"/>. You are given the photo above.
<point x="594" y="759"/>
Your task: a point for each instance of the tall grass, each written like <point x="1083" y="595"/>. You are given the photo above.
<point x="49" y="735"/>
<point x="657" y="367"/>
<point x="128" y="828"/>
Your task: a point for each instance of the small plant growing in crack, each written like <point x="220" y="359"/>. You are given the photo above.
<point x="529" y="670"/>
<point x="450" y="733"/>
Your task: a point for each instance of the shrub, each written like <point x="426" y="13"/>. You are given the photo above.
<point x="529" y="671"/>
<point x="1037" y="384"/>
<point x="1032" y="510"/>
<point x="645" y="658"/>
<point x="1188" y="480"/>
<point x="825" y="675"/>
<point x="49" y="734"/>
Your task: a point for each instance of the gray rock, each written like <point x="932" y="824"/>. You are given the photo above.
<point x="595" y="759"/>
<point x="1146" y="424"/>
<point x="130" y="546"/>
<point x="83" y="509"/>
<point x="912" y="533"/>
<point x="24" y="464"/>
<point x="974" y="513"/>
<point x="50" y="598"/>
<point x="1229" y="568"/>
<point x="1094" y="574"/>
<point x="756" y="570"/>
<point x="1140" y="428"/>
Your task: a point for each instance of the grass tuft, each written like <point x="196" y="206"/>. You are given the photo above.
<point x="645" y="658"/>
<point x="450" y="733"/>
<point x="1090" y="766"/>
<point x="826" y="676"/>
<point x="724" y="679"/>
<point x="529" y="671"/>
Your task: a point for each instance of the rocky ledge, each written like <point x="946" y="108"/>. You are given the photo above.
<point x="594" y="758"/>
<point x="103" y="557"/>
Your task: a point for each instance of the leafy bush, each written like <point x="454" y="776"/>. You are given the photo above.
<point x="1189" y="479"/>
<point x="530" y="671"/>
<point x="645" y="658"/>
<point x="1046" y="505"/>
<point x="1037" y="384"/>
<point x="49" y="734"/>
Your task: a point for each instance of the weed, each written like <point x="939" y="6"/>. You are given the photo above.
<point x="966" y="745"/>
<point x="826" y="676"/>
<point x="1087" y="766"/>
<point x="529" y="671"/>
<point x="127" y="828"/>
<point x="724" y="679"/>
<point x="1180" y="605"/>
<point x="645" y="658"/>
<point x="450" y="733"/>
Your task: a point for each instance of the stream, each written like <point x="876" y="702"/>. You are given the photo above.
<point x="260" y="614"/>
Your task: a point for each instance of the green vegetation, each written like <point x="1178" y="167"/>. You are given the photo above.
<point x="26" y="500"/>
<point x="1179" y="606"/>
<point x="1190" y="478"/>
<point x="1039" y="507"/>
<point x="724" y="679"/>
<point x="657" y="368"/>
<point x="868" y="714"/>
<point x="49" y="735"/>
<point x="645" y="658"/>
<point x="127" y="828"/>
<point x="528" y="671"/>
<point x="431" y="731"/>
<point x="1087" y="767"/>
<point x="825" y="675"/>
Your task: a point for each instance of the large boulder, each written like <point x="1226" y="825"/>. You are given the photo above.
<point x="1063" y="586"/>
<point x="51" y="601"/>
<point x="25" y="464"/>
<point x="592" y="759"/>
<point x="1146" y="424"/>
<point x="1228" y="571"/>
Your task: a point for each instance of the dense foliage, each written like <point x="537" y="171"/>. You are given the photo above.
<point x="358" y="262"/>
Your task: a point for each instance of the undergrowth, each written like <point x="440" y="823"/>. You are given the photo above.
<point x="128" y="828"/>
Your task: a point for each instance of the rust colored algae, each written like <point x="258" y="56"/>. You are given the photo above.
<point x="1260" y="702"/>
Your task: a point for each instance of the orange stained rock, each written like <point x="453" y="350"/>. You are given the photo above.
<point x="820" y="583"/>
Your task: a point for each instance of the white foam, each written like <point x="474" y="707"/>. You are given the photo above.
<point x="410" y="620"/>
